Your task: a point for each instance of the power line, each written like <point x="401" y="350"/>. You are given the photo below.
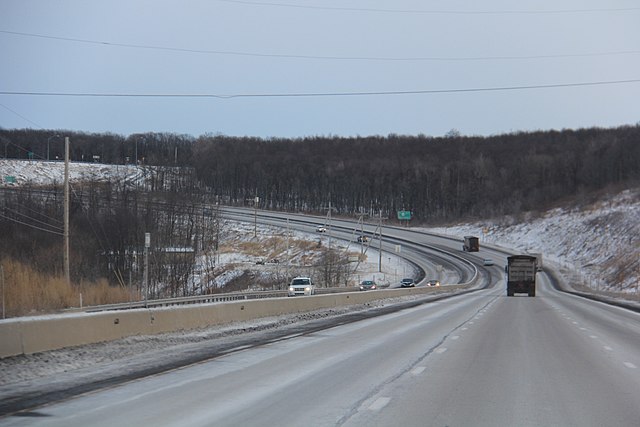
<point x="317" y="94"/>
<point x="54" y="227"/>
<point x="38" y="212"/>
<point x="21" y="148"/>
<point x="30" y="225"/>
<point x="433" y="11"/>
<point x="327" y="57"/>
<point x="21" y="116"/>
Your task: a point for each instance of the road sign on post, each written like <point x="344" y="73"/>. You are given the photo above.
<point x="404" y="215"/>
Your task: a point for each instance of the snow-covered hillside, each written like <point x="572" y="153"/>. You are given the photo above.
<point x="39" y="172"/>
<point x="600" y="242"/>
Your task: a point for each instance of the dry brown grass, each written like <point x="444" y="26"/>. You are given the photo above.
<point x="29" y="292"/>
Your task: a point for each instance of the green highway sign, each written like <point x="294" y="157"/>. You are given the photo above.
<point x="404" y="215"/>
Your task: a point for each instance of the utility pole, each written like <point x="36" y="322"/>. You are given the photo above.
<point x="217" y="224"/>
<point x="380" y="243"/>
<point x="255" y="200"/>
<point x="361" y="221"/>
<point x="2" y="280"/>
<point x="145" y="278"/>
<point x="67" y="275"/>
<point x="328" y="222"/>
<point x="288" y="251"/>
<point x="255" y="216"/>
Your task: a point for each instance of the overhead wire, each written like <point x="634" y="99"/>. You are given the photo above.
<point x="54" y="227"/>
<point x="319" y="94"/>
<point x="35" y="211"/>
<point x="21" y="116"/>
<point x="31" y="225"/>
<point x="344" y="58"/>
<point x="327" y="57"/>
<point x="434" y="11"/>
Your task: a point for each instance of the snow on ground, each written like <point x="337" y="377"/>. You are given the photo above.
<point x="597" y="244"/>
<point x="40" y="172"/>
<point x="277" y="261"/>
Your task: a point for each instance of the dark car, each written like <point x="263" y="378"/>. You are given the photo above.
<point x="435" y="283"/>
<point x="363" y="239"/>
<point x="407" y="283"/>
<point x="368" y="285"/>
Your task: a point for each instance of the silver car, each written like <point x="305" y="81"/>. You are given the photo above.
<point x="407" y="283"/>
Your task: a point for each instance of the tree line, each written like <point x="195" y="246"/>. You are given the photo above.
<point x="437" y="179"/>
<point x="164" y="149"/>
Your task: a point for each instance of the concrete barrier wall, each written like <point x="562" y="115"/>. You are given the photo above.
<point x="37" y="334"/>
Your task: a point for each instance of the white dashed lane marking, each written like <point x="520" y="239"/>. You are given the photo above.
<point x="605" y="347"/>
<point x="441" y="350"/>
<point x="418" y="370"/>
<point x="380" y="403"/>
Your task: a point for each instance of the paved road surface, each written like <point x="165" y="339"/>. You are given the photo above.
<point x="481" y="359"/>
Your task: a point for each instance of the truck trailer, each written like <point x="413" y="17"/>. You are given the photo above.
<point x="471" y="244"/>
<point x="521" y="275"/>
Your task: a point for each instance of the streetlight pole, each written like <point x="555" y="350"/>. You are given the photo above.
<point x="48" y="141"/>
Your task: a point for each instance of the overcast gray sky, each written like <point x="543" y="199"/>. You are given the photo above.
<point x="295" y="68"/>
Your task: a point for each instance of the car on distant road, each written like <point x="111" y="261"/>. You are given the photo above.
<point x="407" y="283"/>
<point x="435" y="283"/>
<point x="363" y="239"/>
<point x="321" y="229"/>
<point x="368" y="285"/>
<point x="301" y="286"/>
<point x="487" y="262"/>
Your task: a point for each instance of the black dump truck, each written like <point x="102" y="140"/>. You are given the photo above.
<point x="471" y="244"/>
<point x="521" y="275"/>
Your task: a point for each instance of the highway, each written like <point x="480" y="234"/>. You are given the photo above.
<point x="480" y="359"/>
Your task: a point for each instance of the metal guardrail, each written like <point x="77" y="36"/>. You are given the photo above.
<point x="198" y="299"/>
